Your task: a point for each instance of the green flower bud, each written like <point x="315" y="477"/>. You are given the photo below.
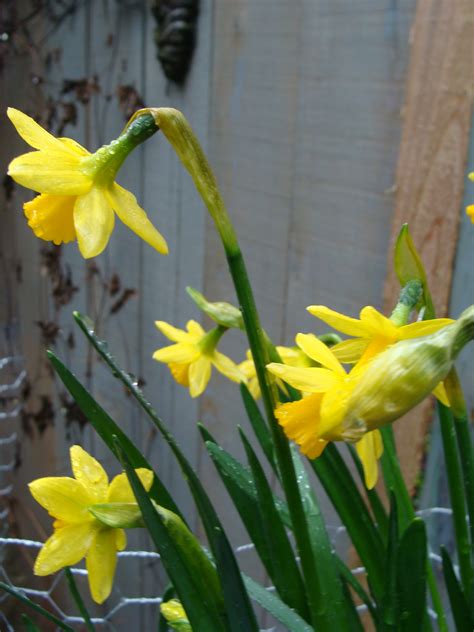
<point x="222" y="313"/>
<point x="409" y="267"/>
<point x="403" y="375"/>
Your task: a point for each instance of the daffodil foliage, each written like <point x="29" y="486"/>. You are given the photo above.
<point x="319" y="393"/>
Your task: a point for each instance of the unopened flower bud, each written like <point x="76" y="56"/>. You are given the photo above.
<point x="222" y="313"/>
<point x="403" y="375"/>
<point x="175" y="615"/>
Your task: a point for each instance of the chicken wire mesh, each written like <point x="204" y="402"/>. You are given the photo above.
<point x="123" y="607"/>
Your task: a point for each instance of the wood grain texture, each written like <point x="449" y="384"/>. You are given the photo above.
<point x="431" y="170"/>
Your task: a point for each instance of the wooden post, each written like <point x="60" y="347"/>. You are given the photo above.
<point x="431" y="171"/>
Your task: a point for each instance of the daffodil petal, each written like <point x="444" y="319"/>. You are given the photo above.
<point x="51" y="217"/>
<point x="90" y="473"/>
<point x="351" y="350"/>
<point x="440" y="393"/>
<point x="94" y="222"/>
<point x="74" y="147"/>
<point x="101" y="561"/>
<point x="423" y="328"/>
<point x="132" y="215"/>
<point x="293" y="356"/>
<point x="227" y="367"/>
<point x="199" y="375"/>
<point x="31" y="132"/>
<point x="377" y="324"/>
<point x="319" y="352"/>
<point x="120" y="539"/>
<point x="63" y="497"/>
<point x="311" y="380"/>
<point x="254" y="388"/>
<point x="179" y="353"/>
<point x="120" y="490"/>
<point x="340" y="322"/>
<point x="172" y="333"/>
<point x="300" y="421"/>
<point x="470" y="212"/>
<point x="195" y="329"/>
<point x="66" y="547"/>
<point x="369" y="449"/>
<point x="50" y="172"/>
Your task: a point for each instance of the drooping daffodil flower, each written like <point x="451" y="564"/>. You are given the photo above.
<point x="373" y="333"/>
<point x="193" y="355"/>
<point x="79" y="197"/>
<point x="77" y="531"/>
<point x="317" y="418"/>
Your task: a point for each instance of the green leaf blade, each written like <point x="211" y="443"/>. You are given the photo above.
<point x="285" y="571"/>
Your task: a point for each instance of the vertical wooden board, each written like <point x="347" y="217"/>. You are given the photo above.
<point x="21" y="252"/>
<point x="254" y="83"/>
<point x="434" y="491"/>
<point x="169" y="192"/>
<point x="353" y="58"/>
<point x="431" y="166"/>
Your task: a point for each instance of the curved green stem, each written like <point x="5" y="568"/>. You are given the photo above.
<point x="180" y="135"/>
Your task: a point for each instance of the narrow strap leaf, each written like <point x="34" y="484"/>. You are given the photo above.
<point x="200" y="604"/>
<point x="106" y="428"/>
<point x="349" y="504"/>
<point x="258" y="424"/>
<point x="34" y="606"/>
<point x="235" y="594"/>
<point x="76" y="595"/>
<point x="285" y="572"/>
<point x="411" y="576"/>
<point x="272" y="604"/>
<point x="462" y="617"/>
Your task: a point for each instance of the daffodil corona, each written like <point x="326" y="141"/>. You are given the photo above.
<point x="191" y="359"/>
<point x="78" y="193"/>
<point x="77" y="531"/>
<point x="317" y="418"/>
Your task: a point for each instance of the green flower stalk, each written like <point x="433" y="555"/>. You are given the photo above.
<point x="403" y="375"/>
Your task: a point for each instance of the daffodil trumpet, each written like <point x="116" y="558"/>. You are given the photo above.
<point x="79" y="197"/>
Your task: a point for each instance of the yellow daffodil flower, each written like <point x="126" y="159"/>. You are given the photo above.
<point x="77" y="532"/>
<point x="175" y="615"/>
<point x="292" y="356"/>
<point x="317" y="418"/>
<point x="373" y="333"/>
<point x="78" y="193"/>
<point x="191" y="359"/>
<point x="400" y="377"/>
<point x="470" y="208"/>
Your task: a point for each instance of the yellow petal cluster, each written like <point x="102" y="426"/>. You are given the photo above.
<point x="373" y="333"/>
<point x="77" y="533"/>
<point x="324" y="414"/>
<point x="79" y="197"/>
<point x="193" y="355"/>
